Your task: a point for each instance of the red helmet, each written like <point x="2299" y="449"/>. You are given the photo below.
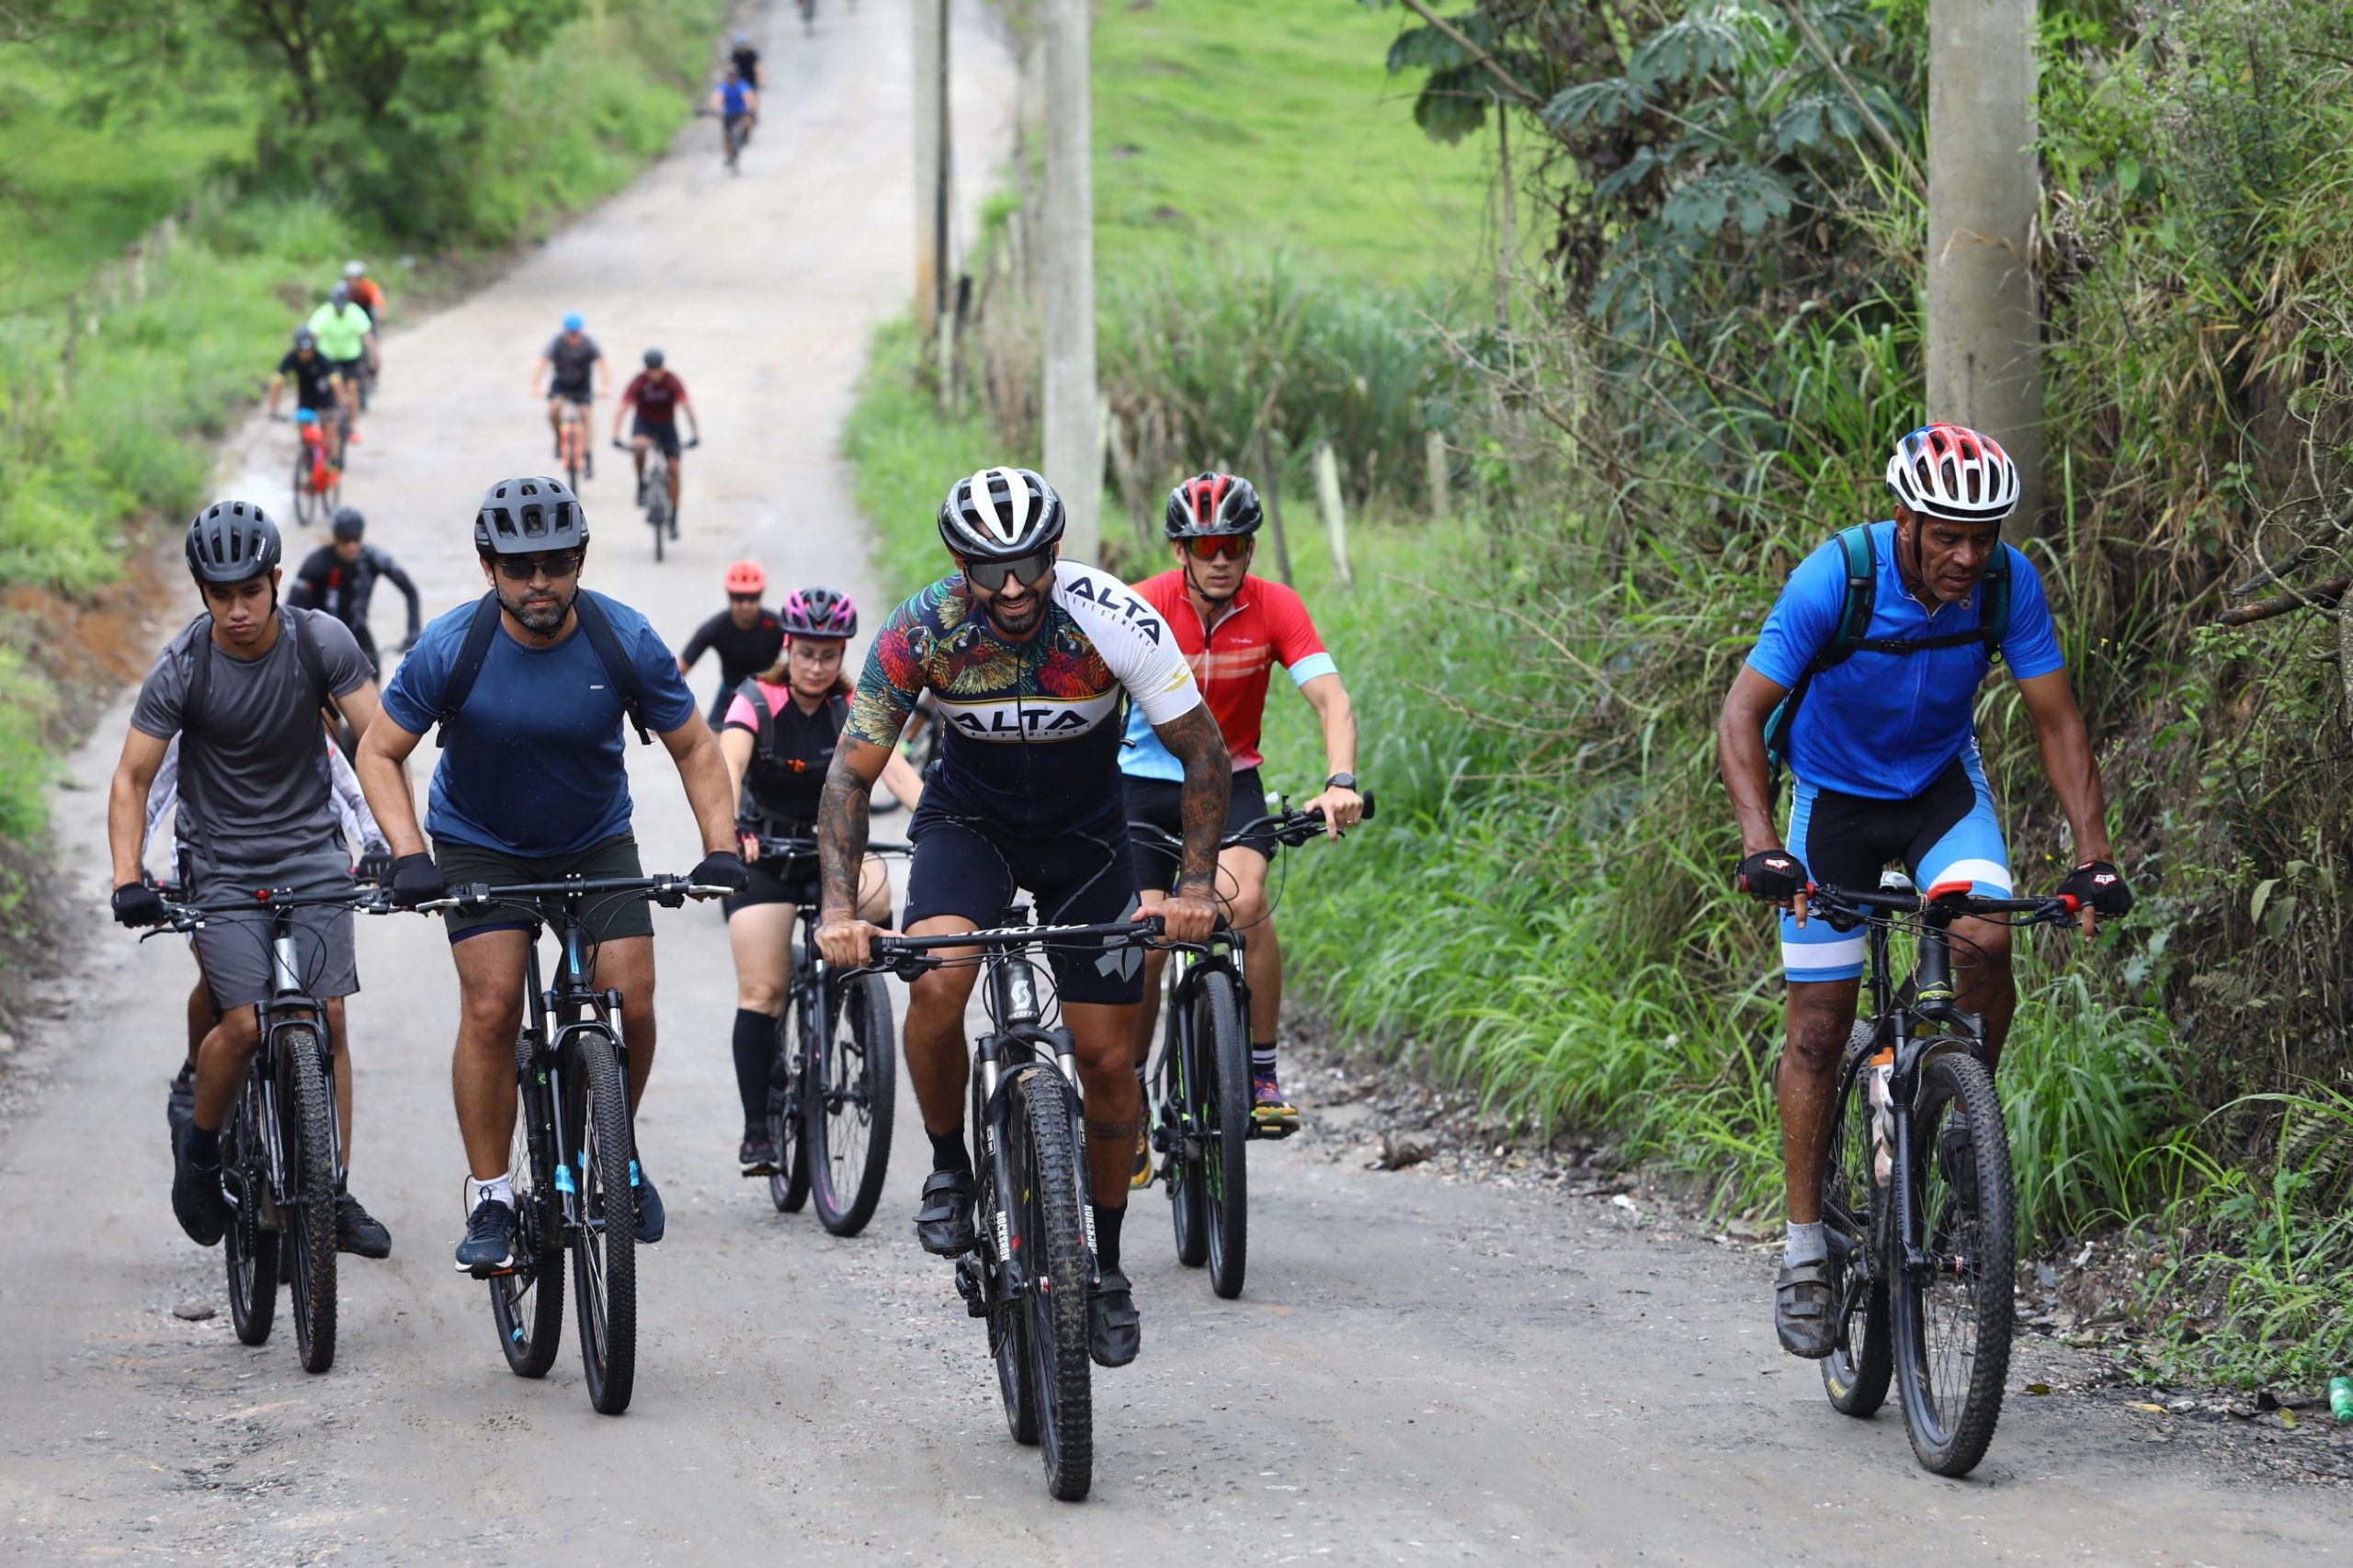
<point x="1211" y="505"/>
<point x="820" y="613"/>
<point x="1953" y="472"/>
<point x="746" y="577"/>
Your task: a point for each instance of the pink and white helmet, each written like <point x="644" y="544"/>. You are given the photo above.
<point x="1953" y="472"/>
<point x="818" y="612"/>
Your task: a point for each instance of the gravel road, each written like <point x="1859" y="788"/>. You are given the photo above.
<point x="1421" y="1371"/>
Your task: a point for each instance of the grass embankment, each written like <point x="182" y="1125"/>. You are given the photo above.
<point x="107" y="407"/>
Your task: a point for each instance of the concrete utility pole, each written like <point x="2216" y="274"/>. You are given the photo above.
<point x="1067" y="277"/>
<point x="932" y="165"/>
<point x="1984" y="189"/>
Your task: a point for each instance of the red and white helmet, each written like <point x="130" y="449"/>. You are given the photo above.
<point x="1212" y="504"/>
<point x="1953" y="472"/>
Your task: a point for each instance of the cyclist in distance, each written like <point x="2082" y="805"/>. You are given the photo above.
<point x="748" y="637"/>
<point x="366" y="292"/>
<point x="1233" y="629"/>
<point x="575" y="374"/>
<point x="658" y="396"/>
<point x="781" y="731"/>
<point x="340" y="578"/>
<point x="243" y="687"/>
<point x="747" y="60"/>
<point x="1028" y="657"/>
<point x="1883" y="749"/>
<point x="346" y="336"/>
<point x="316" y="385"/>
<point x="532" y="787"/>
<point x="737" y="103"/>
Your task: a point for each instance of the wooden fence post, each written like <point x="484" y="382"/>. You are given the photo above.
<point x="1335" y="522"/>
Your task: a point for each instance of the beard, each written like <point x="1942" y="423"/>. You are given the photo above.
<point x="1020" y="622"/>
<point x="542" y="618"/>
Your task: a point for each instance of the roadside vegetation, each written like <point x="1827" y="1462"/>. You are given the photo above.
<point x="1712" y="333"/>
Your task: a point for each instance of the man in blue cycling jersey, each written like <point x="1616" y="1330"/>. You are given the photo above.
<point x="737" y="103"/>
<point x="1883" y="750"/>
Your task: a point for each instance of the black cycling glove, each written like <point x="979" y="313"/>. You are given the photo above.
<point x="1771" y="876"/>
<point x="416" y="880"/>
<point x="722" y="869"/>
<point x="375" y="864"/>
<point x="136" y="903"/>
<point x="2100" y="885"/>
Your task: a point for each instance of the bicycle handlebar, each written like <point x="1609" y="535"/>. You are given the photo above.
<point x="670" y="891"/>
<point x="908" y="957"/>
<point x="1289" y="828"/>
<point x="790" y="848"/>
<point x="186" y="917"/>
<point x="1829" y="899"/>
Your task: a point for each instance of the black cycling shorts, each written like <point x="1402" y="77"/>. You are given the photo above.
<point x="606" y="916"/>
<point x="784" y="880"/>
<point x="663" y="434"/>
<point x="1159" y="803"/>
<point x="581" y="392"/>
<point x="966" y="867"/>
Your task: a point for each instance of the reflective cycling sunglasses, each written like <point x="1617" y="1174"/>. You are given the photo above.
<point x="1212" y="545"/>
<point x="523" y="568"/>
<point x="1025" y="569"/>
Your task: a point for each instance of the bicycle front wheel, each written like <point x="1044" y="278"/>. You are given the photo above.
<point x="604" y="1243"/>
<point x="1049" y="1237"/>
<point x="306" y="1124"/>
<point x="1952" y="1318"/>
<point x="1008" y="1321"/>
<point x="788" y="1081"/>
<point x="1855" y="1372"/>
<point x="527" y="1304"/>
<point x="249" y="1249"/>
<point x="306" y="500"/>
<point x="849" y="1108"/>
<point x="1221" y="1092"/>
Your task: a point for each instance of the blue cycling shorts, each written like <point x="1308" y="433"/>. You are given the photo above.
<point x="1945" y="832"/>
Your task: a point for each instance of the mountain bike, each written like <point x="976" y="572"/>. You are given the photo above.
<point x="1916" y="1197"/>
<point x="653" y="491"/>
<point x="1034" y="1270"/>
<point x="317" y="483"/>
<point x="574" y="1154"/>
<point x="281" y="1156"/>
<point x="836" y="1078"/>
<point x="1202" y="1078"/>
<point x="572" y="442"/>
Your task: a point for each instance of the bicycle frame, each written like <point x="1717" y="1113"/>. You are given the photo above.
<point x="541" y="1058"/>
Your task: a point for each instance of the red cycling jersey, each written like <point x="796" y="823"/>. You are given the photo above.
<point x="1265" y="625"/>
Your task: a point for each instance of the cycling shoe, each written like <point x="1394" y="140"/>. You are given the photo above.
<point x="1114" y="1331"/>
<point x="944" y="1223"/>
<point x="1802" y="1309"/>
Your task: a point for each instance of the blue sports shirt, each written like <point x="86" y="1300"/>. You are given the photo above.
<point x="536" y="763"/>
<point x="1884" y="725"/>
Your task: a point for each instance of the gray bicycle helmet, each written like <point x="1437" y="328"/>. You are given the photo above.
<point x="231" y="541"/>
<point x="1209" y="506"/>
<point x="305" y="338"/>
<point x="653" y="358"/>
<point x="340" y="294"/>
<point x="1000" y="514"/>
<point x="526" y="516"/>
<point x="349" y="522"/>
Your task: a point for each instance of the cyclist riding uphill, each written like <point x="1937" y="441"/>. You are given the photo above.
<point x="1232" y="628"/>
<point x="658" y="396"/>
<point x="1028" y="657"/>
<point x="576" y="376"/>
<point x="340" y="578"/>
<point x="530" y="687"/>
<point x="317" y="386"/>
<point x="366" y="292"/>
<point x="781" y="731"/>
<point x="345" y="335"/>
<point x="242" y="686"/>
<point x="1864" y="679"/>
<point x="747" y="637"/>
<point x="736" y="102"/>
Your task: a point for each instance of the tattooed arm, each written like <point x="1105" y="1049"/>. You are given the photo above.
<point x="841" y="848"/>
<point x="1192" y="737"/>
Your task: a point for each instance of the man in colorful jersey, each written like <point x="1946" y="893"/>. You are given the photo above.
<point x="1234" y="628"/>
<point x="1883" y="748"/>
<point x="1028" y="657"/>
<point x="657" y="395"/>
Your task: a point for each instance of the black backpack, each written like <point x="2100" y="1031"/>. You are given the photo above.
<point x="763" y="744"/>
<point x="593" y="626"/>
<point x="1847" y="637"/>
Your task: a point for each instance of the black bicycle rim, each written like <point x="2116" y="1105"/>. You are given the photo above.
<point x="788" y="1183"/>
<point x="527" y="1304"/>
<point x="849" y="1110"/>
<point x="306" y="1119"/>
<point x="1181" y="1169"/>
<point x="249" y="1249"/>
<point x="1855" y="1374"/>
<point x="604" y="1243"/>
<point x="1222" y="1056"/>
<point x="1008" y="1324"/>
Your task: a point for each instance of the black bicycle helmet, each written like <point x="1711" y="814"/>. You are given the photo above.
<point x="340" y="294"/>
<point x="349" y="522"/>
<point x="1000" y="514"/>
<point x="1211" y="506"/>
<point x="305" y="338"/>
<point x="526" y="516"/>
<point x="231" y="541"/>
<point x="818" y="612"/>
<point x="653" y="358"/>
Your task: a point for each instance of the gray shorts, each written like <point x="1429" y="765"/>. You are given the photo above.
<point x="233" y="949"/>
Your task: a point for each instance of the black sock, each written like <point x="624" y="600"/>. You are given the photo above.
<point x="947" y="1151"/>
<point x="755" y="1055"/>
<point x="203" y="1147"/>
<point x="1262" y="1058"/>
<point x="1107" y="1235"/>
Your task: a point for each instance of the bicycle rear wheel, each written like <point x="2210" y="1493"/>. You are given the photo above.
<point x="1221" y="1092"/>
<point x="527" y="1304"/>
<point x="848" y="1108"/>
<point x="604" y="1245"/>
<point x="306" y="500"/>
<point x="249" y="1249"/>
<point x="1855" y="1372"/>
<point x="1180" y="1116"/>
<point x="1952" y="1320"/>
<point x="1048" y="1235"/>
<point x="1009" y="1323"/>
<point x="306" y="1142"/>
<point x="788" y="1081"/>
<point x="657" y="505"/>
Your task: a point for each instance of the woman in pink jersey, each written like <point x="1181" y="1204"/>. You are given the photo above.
<point x="777" y="738"/>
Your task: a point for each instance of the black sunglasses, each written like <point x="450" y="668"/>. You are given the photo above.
<point x="1025" y="569"/>
<point x="523" y="568"/>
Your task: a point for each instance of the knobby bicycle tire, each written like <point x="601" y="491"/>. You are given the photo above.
<point x="788" y="1082"/>
<point x="527" y="1304"/>
<point x="306" y="500"/>
<point x="604" y="1245"/>
<point x="1221" y="1055"/>
<point x="306" y="1116"/>
<point x="1008" y="1325"/>
<point x="1187" y="1194"/>
<point x="657" y="502"/>
<point x="1952" y="1326"/>
<point x="1855" y="1374"/>
<point x="849" y="1108"/>
<point x="249" y="1251"/>
<point x="1051" y="1238"/>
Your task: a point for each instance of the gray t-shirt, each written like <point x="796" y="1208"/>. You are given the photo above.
<point x="256" y="755"/>
<point x="571" y="360"/>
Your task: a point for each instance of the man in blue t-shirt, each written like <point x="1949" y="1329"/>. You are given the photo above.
<point x="1883" y="750"/>
<point x="532" y="788"/>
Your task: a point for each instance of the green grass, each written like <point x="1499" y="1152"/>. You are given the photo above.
<point x="904" y="455"/>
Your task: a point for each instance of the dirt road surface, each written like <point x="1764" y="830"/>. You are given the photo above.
<point x="1419" y="1371"/>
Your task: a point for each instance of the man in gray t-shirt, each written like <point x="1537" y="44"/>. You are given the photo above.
<point x="243" y="687"/>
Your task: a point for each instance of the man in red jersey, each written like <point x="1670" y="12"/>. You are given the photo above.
<point x="1233" y="628"/>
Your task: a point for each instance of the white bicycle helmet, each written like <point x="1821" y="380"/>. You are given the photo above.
<point x="1000" y="514"/>
<point x="1953" y="472"/>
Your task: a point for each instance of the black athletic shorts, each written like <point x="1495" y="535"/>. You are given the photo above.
<point x="965" y="865"/>
<point x="786" y="879"/>
<point x="606" y="916"/>
<point x="582" y="392"/>
<point x="1159" y="803"/>
<point x="663" y="434"/>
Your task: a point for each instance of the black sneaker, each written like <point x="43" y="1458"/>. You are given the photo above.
<point x="652" y="1221"/>
<point x="757" y="1154"/>
<point x="489" y="1244"/>
<point x="1114" y="1331"/>
<point x="357" y="1231"/>
<point x="944" y="1223"/>
<point x="197" y="1200"/>
<point x="180" y="1105"/>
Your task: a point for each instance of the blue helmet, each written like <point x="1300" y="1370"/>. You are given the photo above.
<point x="573" y="321"/>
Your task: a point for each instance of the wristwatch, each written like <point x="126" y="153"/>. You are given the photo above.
<point x="1341" y="781"/>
